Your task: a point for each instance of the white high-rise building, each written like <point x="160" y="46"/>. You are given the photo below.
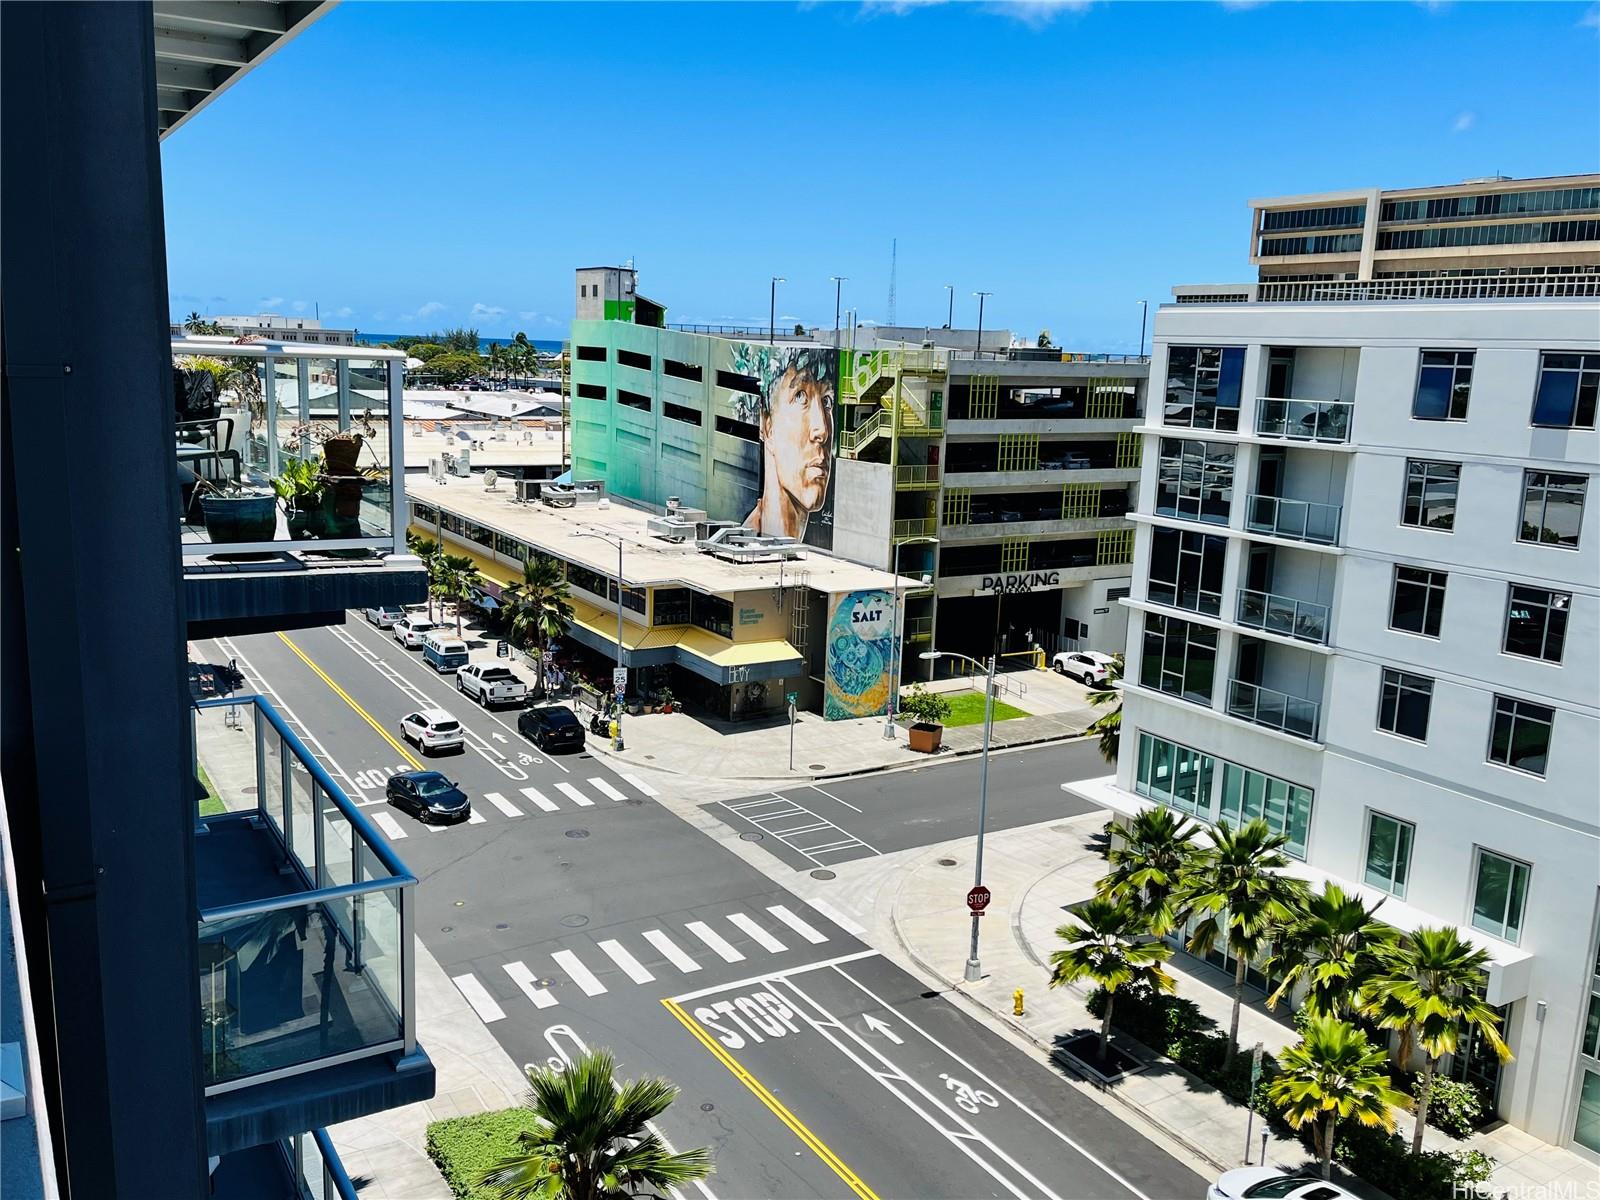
<point x="1366" y="606"/>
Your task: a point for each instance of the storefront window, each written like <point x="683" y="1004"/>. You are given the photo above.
<point x="711" y="612"/>
<point x="672" y="606"/>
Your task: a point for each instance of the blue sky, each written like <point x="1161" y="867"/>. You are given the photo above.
<point x="408" y="166"/>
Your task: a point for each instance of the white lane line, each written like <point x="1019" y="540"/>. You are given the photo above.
<point x="631" y="966"/>
<point x="759" y="935"/>
<point x="669" y="951"/>
<point x="715" y="940"/>
<point x="640" y="784"/>
<point x="572" y="793"/>
<point x="992" y="1085"/>
<point x="504" y="805"/>
<point x="795" y="923"/>
<point x="476" y="818"/>
<point x="523" y="978"/>
<point x="478" y="996"/>
<point x="834" y="798"/>
<point x="838" y="918"/>
<point x="540" y="799"/>
<point x="432" y="828"/>
<point x="578" y="973"/>
<point x="606" y="790"/>
<point x="389" y="825"/>
<point x="769" y="976"/>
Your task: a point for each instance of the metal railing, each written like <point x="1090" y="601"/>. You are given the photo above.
<point x="1566" y="285"/>
<point x="1304" y="420"/>
<point x="344" y="934"/>
<point x="916" y="527"/>
<point x="1047" y="354"/>
<point x="851" y="440"/>
<point x="1273" y="709"/>
<point x="316" y="1167"/>
<point x="1298" y="520"/>
<point x="917" y="473"/>
<point x="918" y="629"/>
<point x="749" y="331"/>
<point x="1190" y="599"/>
<point x="1300" y="619"/>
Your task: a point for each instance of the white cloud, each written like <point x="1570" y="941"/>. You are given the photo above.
<point x="300" y="305"/>
<point x="1463" y="122"/>
<point x="1034" y="13"/>
<point x="272" y="302"/>
<point x="344" y="311"/>
<point x="528" y="315"/>
<point x="1590" y="18"/>
<point x="491" y="312"/>
<point x="1242" y="5"/>
<point x="431" y="308"/>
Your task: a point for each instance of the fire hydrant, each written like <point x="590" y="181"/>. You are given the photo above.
<point x="1016" y="1003"/>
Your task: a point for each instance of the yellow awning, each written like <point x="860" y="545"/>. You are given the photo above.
<point x="710" y="647"/>
<point x="603" y="623"/>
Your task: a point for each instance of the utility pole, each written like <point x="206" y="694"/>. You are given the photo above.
<point x="772" y="310"/>
<point x="1144" y="308"/>
<point x="894" y="254"/>
<point x="982" y="296"/>
<point x="950" y="316"/>
<point x="838" y="291"/>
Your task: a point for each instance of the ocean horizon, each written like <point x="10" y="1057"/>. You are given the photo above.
<point x="545" y="344"/>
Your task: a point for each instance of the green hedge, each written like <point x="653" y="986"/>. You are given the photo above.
<point x="464" y="1148"/>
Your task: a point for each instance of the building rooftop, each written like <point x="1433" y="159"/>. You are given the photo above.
<point x="647" y="560"/>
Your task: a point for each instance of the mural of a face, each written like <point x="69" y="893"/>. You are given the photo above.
<point x="797" y="442"/>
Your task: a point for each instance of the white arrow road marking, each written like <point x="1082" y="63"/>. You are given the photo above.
<point x="523" y="978"/>
<point x="499" y="737"/>
<point x="880" y="1026"/>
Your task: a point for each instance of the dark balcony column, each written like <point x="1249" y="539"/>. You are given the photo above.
<point x="93" y="726"/>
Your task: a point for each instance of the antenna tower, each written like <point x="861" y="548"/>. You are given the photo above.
<point x="894" y="254"/>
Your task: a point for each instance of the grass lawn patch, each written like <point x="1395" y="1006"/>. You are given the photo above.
<point x="966" y="708"/>
<point x="210" y="804"/>
<point x="464" y="1148"/>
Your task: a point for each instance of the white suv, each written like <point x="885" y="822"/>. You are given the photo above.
<point x="409" y="631"/>
<point x="1088" y="667"/>
<point x="432" y="730"/>
<point x="384" y="617"/>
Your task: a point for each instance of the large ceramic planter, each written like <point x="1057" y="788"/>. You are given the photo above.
<point x="247" y="518"/>
<point x="925" y="736"/>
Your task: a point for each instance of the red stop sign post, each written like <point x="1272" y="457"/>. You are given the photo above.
<point x="978" y="900"/>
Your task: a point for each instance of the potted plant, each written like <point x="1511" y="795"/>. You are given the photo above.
<point x="927" y="711"/>
<point x="341" y="480"/>
<point x="237" y="514"/>
<point x="666" y="700"/>
<point x="299" y="489"/>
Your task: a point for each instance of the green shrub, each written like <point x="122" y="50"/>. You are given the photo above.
<point x="1386" y="1160"/>
<point x="464" y="1148"/>
<point x="922" y="705"/>
<point x="1453" y="1107"/>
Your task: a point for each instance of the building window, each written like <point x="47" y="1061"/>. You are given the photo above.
<point x="1431" y="494"/>
<point x="1186" y="570"/>
<point x="1552" y="508"/>
<point x="1519" y="736"/>
<point x="1443" y="385"/>
<point x="712" y="613"/>
<point x="591" y="353"/>
<point x="681" y="370"/>
<point x="1389" y="853"/>
<point x="1499" y="895"/>
<point x="1569" y="385"/>
<point x="1194" y="480"/>
<point x="1536" y="623"/>
<point x="743" y="430"/>
<point x="1284" y="806"/>
<point x="1417" y="605"/>
<point x="633" y="399"/>
<point x="736" y="382"/>
<point x="1203" y="386"/>
<point x="672" y="606"/>
<point x="632" y="358"/>
<point x="1175" y="775"/>
<point x="679" y="412"/>
<point x="591" y="391"/>
<point x="1179" y="658"/>
<point x="1403" y="704"/>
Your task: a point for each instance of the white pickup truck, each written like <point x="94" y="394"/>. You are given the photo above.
<point x="490" y="684"/>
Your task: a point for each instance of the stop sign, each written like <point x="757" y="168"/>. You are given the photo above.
<point x="978" y="898"/>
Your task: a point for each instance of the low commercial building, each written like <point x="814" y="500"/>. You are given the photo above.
<point x="304" y="330"/>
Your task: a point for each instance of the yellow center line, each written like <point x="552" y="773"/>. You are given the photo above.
<point x="345" y="696"/>
<point x="853" y="1181"/>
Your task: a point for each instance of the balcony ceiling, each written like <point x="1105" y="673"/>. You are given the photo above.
<point x="204" y="47"/>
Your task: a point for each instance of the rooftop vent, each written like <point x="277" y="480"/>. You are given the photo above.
<point x="737" y="543"/>
<point x="678" y="524"/>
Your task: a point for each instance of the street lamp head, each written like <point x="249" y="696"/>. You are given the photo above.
<point x="779" y="279"/>
<point x="926" y="578"/>
<point x="930" y="655"/>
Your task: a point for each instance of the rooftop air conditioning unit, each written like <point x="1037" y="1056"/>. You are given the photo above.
<point x="462" y="466"/>
<point x="527" y="491"/>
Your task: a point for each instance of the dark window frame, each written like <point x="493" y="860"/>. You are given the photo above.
<point x="1585" y="394"/>
<point x="1423" y="474"/>
<point x="1432" y="600"/>
<point x="1457" y="386"/>
<point x="1190" y="640"/>
<point x="1395" y="687"/>
<point x="1511" y="713"/>
<point x="1547" y="621"/>
<point x="1543" y="483"/>
<point x="1197" y="558"/>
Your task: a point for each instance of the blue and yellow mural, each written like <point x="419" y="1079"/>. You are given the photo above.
<point x="861" y="653"/>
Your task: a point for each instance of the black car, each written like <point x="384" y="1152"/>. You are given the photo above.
<point x="428" y="796"/>
<point x="554" y="727"/>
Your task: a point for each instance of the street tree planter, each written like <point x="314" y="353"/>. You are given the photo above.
<point x="925" y="736"/>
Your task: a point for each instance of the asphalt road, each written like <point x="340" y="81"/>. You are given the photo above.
<point x="821" y="825"/>
<point x="577" y="910"/>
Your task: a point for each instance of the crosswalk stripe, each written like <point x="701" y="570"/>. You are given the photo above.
<point x="606" y="790"/>
<point x="578" y="973"/>
<point x="795" y="923"/>
<point x="504" y="805"/>
<point x="523" y="978"/>
<point x="389" y="825"/>
<point x="431" y="827"/>
<point x="539" y="798"/>
<point x="640" y="784"/>
<point x="762" y="938"/>
<point x="572" y="793"/>
<point x="631" y="966"/>
<point x="715" y="940"/>
<point x="476" y="818"/>
<point x="478" y="996"/>
<point x="837" y="917"/>
<point x="670" y="952"/>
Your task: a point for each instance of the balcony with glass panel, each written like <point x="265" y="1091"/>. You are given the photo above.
<point x="1305" y="397"/>
<point x="1297" y="520"/>
<point x="1274" y="709"/>
<point x="289" y="464"/>
<point x="1326" y="421"/>
<point x="304" y="939"/>
<point x="1304" y="620"/>
<point x="1277" y="686"/>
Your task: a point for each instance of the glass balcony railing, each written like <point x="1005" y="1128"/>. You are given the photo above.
<point x="1284" y="614"/>
<point x="1275" y="710"/>
<point x="305" y="922"/>
<point x="282" y="447"/>
<point x="317" y="1167"/>
<point x="1298" y="520"/>
<point x="1304" y="420"/>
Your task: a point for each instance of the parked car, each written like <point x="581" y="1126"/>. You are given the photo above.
<point x="490" y="684"/>
<point x="384" y="616"/>
<point x="428" y="796"/>
<point x="1271" y="1183"/>
<point x="410" y="630"/>
<point x="432" y="730"/>
<point x="1088" y="667"/>
<point x="443" y="651"/>
<point x="554" y="727"/>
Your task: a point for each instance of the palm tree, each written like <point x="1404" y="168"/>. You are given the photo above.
<point x="193" y="321"/>
<point x="458" y="577"/>
<point x="1331" y="1074"/>
<point x="541" y="608"/>
<point x="1427" y="986"/>
<point x="1108" y="945"/>
<point x="1108" y="726"/>
<point x="1237" y="891"/>
<point x="1332" y="944"/>
<point x="591" y="1137"/>
<point x="1151" y="864"/>
<point x="428" y="551"/>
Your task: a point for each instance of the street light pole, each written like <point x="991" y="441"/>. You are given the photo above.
<point x="772" y="310"/>
<point x="895" y="654"/>
<point x="982" y="296"/>
<point x="1144" y="308"/>
<point x="621" y="693"/>
<point x="838" y="291"/>
<point x="950" y="317"/>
